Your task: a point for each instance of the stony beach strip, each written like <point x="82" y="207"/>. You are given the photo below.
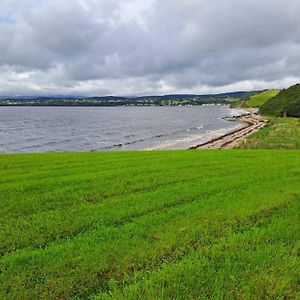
<point x="252" y="122"/>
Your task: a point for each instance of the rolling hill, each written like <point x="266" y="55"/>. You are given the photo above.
<point x="261" y="98"/>
<point x="255" y="100"/>
<point x="286" y="103"/>
<point x="173" y="99"/>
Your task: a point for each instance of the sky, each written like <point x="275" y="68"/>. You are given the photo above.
<point x="138" y="47"/>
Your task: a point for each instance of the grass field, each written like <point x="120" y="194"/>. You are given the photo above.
<point x="280" y="133"/>
<point x="261" y="98"/>
<point x="150" y="225"/>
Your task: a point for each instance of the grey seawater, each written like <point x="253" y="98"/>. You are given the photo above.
<point x="60" y="129"/>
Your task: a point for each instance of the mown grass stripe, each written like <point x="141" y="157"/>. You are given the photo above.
<point x="256" y="263"/>
<point x="86" y="227"/>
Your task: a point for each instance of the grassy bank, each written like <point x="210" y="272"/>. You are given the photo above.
<point x="261" y="98"/>
<point x="280" y="133"/>
<point x="255" y="100"/>
<point x="150" y="225"/>
<point x="286" y="103"/>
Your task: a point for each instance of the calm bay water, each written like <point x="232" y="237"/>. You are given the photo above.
<point x="56" y="129"/>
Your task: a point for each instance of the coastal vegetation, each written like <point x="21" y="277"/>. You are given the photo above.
<point x="261" y="98"/>
<point x="285" y="104"/>
<point x="150" y="225"/>
<point x="279" y="133"/>
<point x="281" y="109"/>
<point x="255" y="100"/>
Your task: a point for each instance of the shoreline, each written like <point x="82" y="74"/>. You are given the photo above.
<point x="248" y="121"/>
<point x="240" y="123"/>
<point x="252" y="122"/>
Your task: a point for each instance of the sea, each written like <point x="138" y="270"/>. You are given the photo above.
<point x="80" y="129"/>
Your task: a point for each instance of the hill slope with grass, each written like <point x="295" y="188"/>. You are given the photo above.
<point x="255" y="100"/>
<point x="261" y="98"/>
<point x="286" y="103"/>
<point x="150" y="225"/>
<point x="279" y="133"/>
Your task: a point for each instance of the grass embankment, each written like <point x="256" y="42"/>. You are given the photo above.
<point x="255" y="100"/>
<point x="286" y="103"/>
<point x="279" y="133"/>
<point x="150" y="225"/>
<point x="261" y="98"/>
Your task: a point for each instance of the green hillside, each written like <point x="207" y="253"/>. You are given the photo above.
<point x="150" y="225"/>
<point x="279" y="133"/>
<point x="254" y="100"/>
<point x="286" y="103"/>
<point x="261" y="98"/>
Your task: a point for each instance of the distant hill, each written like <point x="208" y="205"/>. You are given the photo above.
<point x="181" y="99"/>
<point x="286" y="103"/>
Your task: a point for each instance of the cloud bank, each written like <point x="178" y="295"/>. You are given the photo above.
<point x="134" y="47"/>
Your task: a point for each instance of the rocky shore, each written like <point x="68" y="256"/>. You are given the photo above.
<point x="252" y="122"/>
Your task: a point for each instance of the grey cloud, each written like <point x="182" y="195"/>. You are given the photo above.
<point x="140" y="47"/>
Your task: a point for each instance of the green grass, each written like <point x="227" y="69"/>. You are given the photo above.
<point x="280" y="133"/>
<point x="259" y="262"/>
<point x="286" y="103"/>
<point x="150" y="225"/>
<point x="255" y="100"/>
<point x="261" y="98"/>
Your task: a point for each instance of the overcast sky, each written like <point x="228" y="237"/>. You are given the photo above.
<point x="134" y="47"/>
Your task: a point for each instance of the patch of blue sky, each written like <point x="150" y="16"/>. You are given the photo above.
<point x="7" y="19"/>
